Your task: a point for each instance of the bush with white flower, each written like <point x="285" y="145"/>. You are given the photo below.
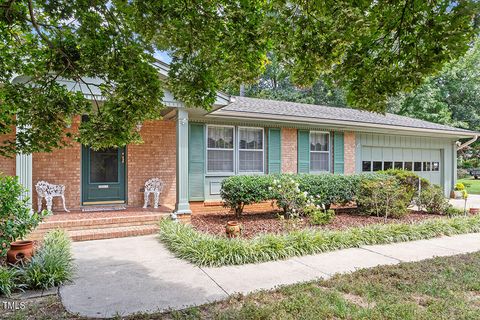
<point x="288" y="196"/>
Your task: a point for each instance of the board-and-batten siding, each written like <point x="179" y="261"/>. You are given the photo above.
<point x="417" y="145"/>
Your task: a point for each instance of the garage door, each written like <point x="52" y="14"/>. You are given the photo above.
<point x="424" y="162"/>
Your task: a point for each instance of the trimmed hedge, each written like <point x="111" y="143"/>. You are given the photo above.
<point x="238" y="191"/>
<point x="209" y="250"/>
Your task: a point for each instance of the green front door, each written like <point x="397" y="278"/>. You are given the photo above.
<point x="103" y="176"/>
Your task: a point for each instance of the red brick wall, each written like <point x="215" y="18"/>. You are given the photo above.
<point x="61" y="166"/>
<point x="289" y="150"/>
<point x="200" y="207"/>
<point x="156" y="157"/>
<point x="349" y="153"/>
<point x="7" y="165"/>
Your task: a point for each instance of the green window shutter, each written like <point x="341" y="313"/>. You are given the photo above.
<point x="196" y="162"/>
<point x="274" y="150"/>
<point x="338" y="151"/>
<point x="303" y="152"/>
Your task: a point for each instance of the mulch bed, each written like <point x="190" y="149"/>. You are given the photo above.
<point x="255" y="223"/>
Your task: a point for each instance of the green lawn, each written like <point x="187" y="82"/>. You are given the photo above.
<point x="441" y="288"/>
<point x="472" y="185"/>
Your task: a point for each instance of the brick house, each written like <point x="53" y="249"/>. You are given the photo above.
<point x="192" y="150"/>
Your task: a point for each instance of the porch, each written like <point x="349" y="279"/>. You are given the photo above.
<point x="94" y="225"/>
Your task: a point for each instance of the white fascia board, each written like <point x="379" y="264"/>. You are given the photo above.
<point x="341" y="124"/>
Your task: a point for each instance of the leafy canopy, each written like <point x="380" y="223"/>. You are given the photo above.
<point x="372" y="49"/>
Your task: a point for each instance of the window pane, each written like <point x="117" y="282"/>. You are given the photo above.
<point x="377" y="165"/>
<point x="435" y="166"/>
<point x="398" y="165"/>
<point x="417" y="166"/>
<point x="318" y="161"/>
<point x="220" y="137"/>
<point x="250" y="138"/>
<point x="426" y="166"/>
<point x="366" y="166"/>
<point x="250" y="161"/>
<point x="104" y="165"/>
<point x="387" y="165"/>
<point x="220" y="161"/>
<point x="408" y="166"/>
<point x="319" y="141"/>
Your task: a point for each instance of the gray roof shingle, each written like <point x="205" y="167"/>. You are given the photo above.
<point x="302" y="110"/>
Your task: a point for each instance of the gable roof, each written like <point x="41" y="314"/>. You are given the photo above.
<point x="320" y="114"/>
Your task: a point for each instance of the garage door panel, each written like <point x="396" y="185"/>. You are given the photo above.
<point x="424" y="158"/>
<point x="377" y="154"/>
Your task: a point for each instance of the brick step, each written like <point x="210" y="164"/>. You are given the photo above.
<point x="88" y="223"/>
<point x="105" y="233"/>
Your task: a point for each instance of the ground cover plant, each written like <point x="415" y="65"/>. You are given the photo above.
<point x="440" y="288"/>
<point x="209" y="250"/>
<point x="51" y="265"/>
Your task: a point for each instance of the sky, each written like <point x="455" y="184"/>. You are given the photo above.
<point x="162" y="56"/>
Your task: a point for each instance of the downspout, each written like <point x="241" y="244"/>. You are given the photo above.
<point x="466" y="144"/>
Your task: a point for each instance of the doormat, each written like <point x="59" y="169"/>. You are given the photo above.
<point x="104" y="208"/>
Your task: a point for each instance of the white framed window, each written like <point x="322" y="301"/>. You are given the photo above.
<point x="319" y="151"/>
<point x="220" y="149"/>
<point x="250" y="150"/>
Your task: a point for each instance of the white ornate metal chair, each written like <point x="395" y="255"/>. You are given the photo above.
<point x="155" y="186"/>
<point x="48" y="191"/>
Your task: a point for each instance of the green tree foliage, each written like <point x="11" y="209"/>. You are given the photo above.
<point x="451" y="97"/>
<point x="276" y="84"/>
<point x="372" y="49"/>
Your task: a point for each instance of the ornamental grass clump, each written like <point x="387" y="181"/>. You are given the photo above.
<point x="208" y="250"/>
<point x="9" y="280"/>
<point x="52" y="265"/>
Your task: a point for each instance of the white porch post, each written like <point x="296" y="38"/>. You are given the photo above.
<point x="23" y="168"/>
<point x="182" y="206"/>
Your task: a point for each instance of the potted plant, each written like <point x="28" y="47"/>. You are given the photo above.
<point x="16" y="220"/>
<point x="233" y="229"/>
<point x="458" y="190"/>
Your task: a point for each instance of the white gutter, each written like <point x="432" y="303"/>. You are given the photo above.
<point x="466" y="144"/>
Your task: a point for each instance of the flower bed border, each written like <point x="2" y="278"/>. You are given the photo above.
<point x="209" y="250"/>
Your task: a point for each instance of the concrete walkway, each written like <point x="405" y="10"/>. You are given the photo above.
<point x="473" y="201"/>
<point x="130" y="275"/>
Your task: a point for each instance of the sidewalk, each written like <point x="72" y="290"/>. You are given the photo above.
<point x="130" y="275"/>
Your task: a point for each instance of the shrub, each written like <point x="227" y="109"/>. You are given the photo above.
<point x="8" y="280"/>
<point x="331" y="188"/>
<point x="238" y="191"/>
<point x="432" y="200"/>
<point x="321" y="217"/>
<point x="409" y="180"/>
<point x="459" y="186"/>
<point x="383" y="197"/>
<point x="209" y="250"/>
<point x="16" y="218"/>
<point x="52" y="264"/>
<point x="288" y="196"/>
